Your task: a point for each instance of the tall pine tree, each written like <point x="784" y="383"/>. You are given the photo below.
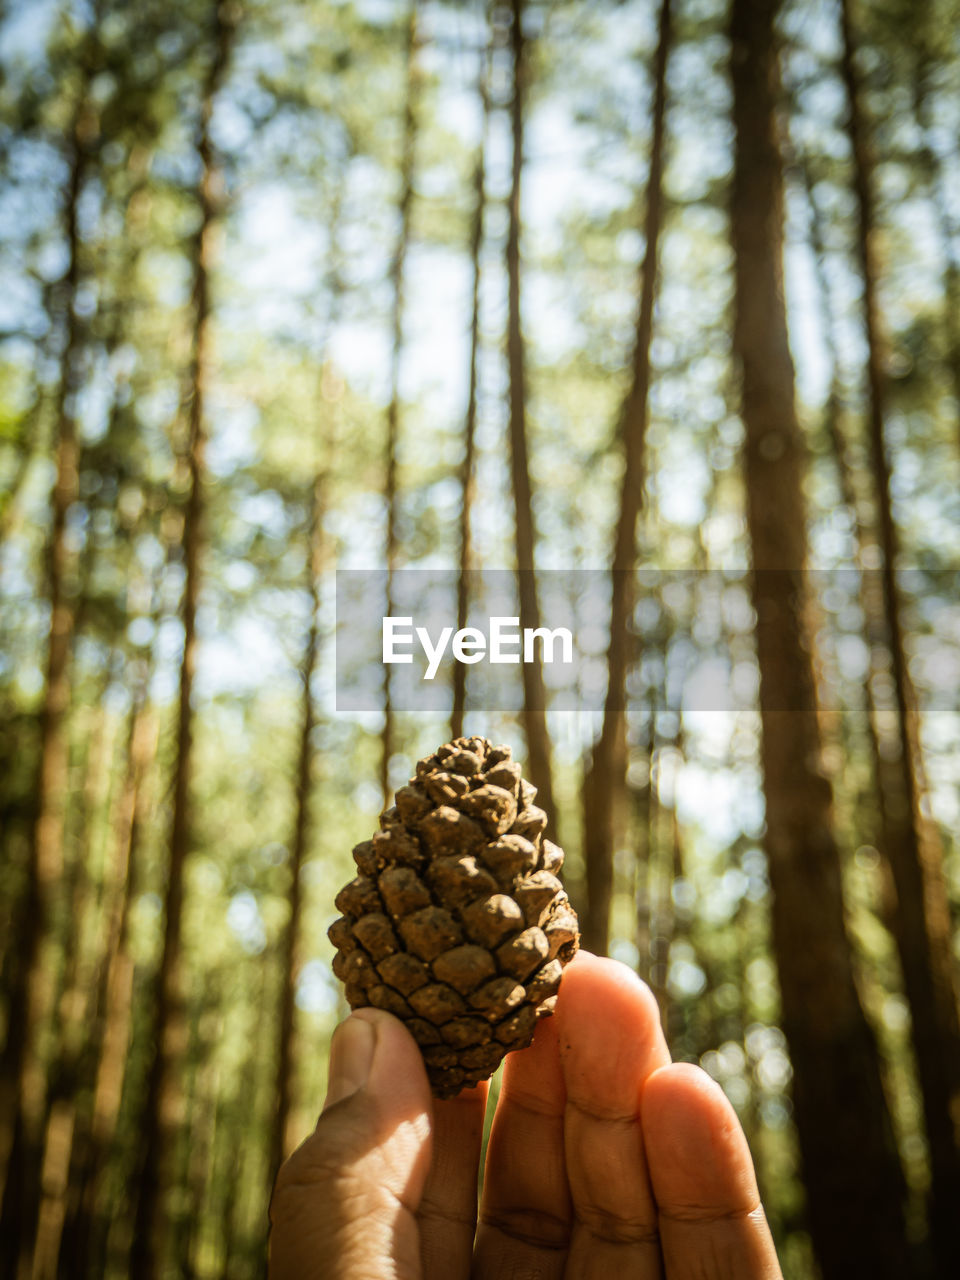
<point x="852" y="1172"/>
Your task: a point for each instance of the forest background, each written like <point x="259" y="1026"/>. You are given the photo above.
<point x="292" y="286"/>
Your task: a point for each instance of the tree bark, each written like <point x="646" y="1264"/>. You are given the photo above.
<point x="846" y="466"/>
<point x="318" y="551"/>
<point x="81" y="1019"/>
<point x="195" y="1158"/>
<point x="603" y="785"/>
<point x="234" y="1240"/>
<point x="160" y="1120"/>
<point x="851" y="1170"/>
<point x="938" y="187"/>
<point x="397" y="276"/>
<point x="80" y="1006"/>
<point x="534" y="693"/>
<point x="921" y="910"/>
<point x="289" y="943"/>
<point x="644" y="818"/>
<point x="23" y="1080"/>
<point x="114" y="995"/>
<point x="73" y="1004"/>
<point x="470" y="421"/>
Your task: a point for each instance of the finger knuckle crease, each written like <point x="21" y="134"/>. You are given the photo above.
<point x="615" y="1228"/>
<point x="596" y="1111"/>
<point x="532" y="1105"/>
<point x="693" y="1214"/>
<point x="432" y="1211"/>
<point x="530" y="1226"/>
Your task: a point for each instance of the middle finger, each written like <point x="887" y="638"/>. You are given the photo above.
<point x="447" y="1215"/>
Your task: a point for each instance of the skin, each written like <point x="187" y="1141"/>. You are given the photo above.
<point x="605" y="1159"/>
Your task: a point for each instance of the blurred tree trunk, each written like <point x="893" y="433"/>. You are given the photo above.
<point x="228" y="1233"/>
<point x="848" y="470"/>
<point x="234" y="1242"/>
<point x="603" y="784"/>
<point x="78" y="1001"/>
<point x="161" y="1110"/>
<point x="665" y="855"/>
<point x="672" y="1012"/>
<point x="32" y="443"/>
<point x="921" y="909"/>
<point x="893" y="819"/>
<point x="534" y="693"/>
<point x="318" y="550"/>
<point x="397" y="277"/>
<point x="201" y="1110"/>
<point x="299" y="844"/>
<point x="852" y="1173"/>
<point x="644" y="816"/>
<point x="200" y="1173"/>
<point x="85" y="1234"/>
<point x="73" y="1006"/>
<point x="940" y="198"/>
<point x="23" y="1080"/>
<point x="470" y="422"/>
<point x="68" y="1170"/>
<point x="661" y="914"/>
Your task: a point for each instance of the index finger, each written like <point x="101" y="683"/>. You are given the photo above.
<point x="610" y="1042"/>
<point x="447" y="1214"/>
<point x="525" y="1213"/>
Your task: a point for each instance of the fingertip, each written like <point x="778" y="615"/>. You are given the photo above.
<point x="398" y="1069"/>
<point x="609" y="1027"/>
<point x="702" y="1177"/>
<point x="376" y="1018"/>
<point x="448" y="1209"/>
<point x="374" y="1051"/>
<point x="684" y="1090"/>
<point x="351" y="1057"/>
<point x="599" y="974"/>
<point x="534" y="1072"/>
<point x="695" y="1144"/>
<point x="683" y="1077"/>
<point x="475" y="1096"/>
<point x="590" y="978"/>
<point x="357" y="1176"/>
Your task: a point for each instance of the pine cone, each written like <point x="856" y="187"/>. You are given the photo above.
<point x="457" y="922"/>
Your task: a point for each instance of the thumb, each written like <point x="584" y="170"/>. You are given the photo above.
<point x="344" y="1203"/>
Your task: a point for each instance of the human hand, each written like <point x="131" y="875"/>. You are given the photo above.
<point x="603" y="1158"/>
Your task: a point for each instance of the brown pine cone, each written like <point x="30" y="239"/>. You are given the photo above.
<point x="457" y="922"/>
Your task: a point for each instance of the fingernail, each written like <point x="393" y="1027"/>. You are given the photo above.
<point x="351" y="1056"/>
